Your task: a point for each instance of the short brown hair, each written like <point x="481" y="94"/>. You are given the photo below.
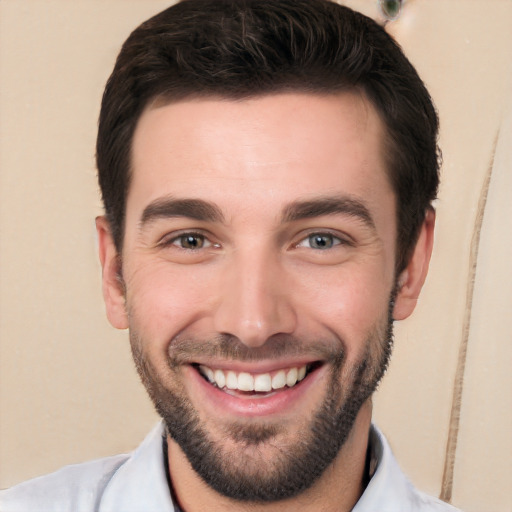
<point x="242" y="48"/>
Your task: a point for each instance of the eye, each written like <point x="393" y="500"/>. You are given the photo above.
<point x="190" y="241"/>
<point x="320" y="241"/>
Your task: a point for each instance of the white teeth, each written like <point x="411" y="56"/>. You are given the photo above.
<point x="245" y="382"/>
<point x="208" y="373"/>
<point x="220" y="378"/>
<point x="231" y="380"/>
<point x="279" y="380"/>
<point x="291" y="377"/>
<point x="262" y="382"/>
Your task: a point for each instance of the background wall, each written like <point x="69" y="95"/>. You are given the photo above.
<point x="68" y="390"/>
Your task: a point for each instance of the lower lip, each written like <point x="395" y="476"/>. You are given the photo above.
<point x="280" y="401"/>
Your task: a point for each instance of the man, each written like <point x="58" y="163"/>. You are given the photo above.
<point x="267" y="169"/>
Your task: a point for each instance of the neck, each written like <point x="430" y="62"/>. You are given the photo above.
<point x="337" y="490"/>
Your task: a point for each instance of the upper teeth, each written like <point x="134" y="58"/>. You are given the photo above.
<point x="244" y="381"/>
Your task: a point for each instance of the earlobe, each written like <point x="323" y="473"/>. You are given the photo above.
<point x="411" y="279"/>
<point x="113" y="289"/>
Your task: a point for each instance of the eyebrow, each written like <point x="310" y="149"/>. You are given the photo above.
<point x="206" y="211"/>
<point x="170" y="207"/>
<point x="328" y="205"/>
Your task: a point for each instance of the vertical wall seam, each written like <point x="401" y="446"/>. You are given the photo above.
<point x="453" y="426"/>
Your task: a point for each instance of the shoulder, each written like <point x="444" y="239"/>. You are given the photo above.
<point x="389" y="490"/>
<point x="76" y="487"/>
<point x="130" y="483"/>
<point x="426" y="503"/>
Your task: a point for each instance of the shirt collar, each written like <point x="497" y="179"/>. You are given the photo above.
<point x="141" y="483"/>
<point x="388" y="490"/>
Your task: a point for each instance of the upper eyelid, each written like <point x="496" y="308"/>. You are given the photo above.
<point x="343" y="237"/>
<point x="337" y="240"/>
<point x="171" y="237"/>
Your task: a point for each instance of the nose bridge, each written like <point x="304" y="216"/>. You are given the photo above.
<point x="255" y="304"/>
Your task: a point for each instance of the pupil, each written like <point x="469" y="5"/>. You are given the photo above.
<point x="321" y="241"/>
<point x="191" y="242"/>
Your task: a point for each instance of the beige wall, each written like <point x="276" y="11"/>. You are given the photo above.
<point x="68" y="391"/>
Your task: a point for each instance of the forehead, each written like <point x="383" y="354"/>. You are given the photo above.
<point x="269" y="149"/>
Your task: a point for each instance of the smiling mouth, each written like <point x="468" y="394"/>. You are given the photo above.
<point x="279" y="380"/>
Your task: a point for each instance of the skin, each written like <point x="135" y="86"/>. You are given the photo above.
<point x="257" y="276"/>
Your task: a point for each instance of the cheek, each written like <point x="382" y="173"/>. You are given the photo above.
<point x="163" y="300"/>
<point x="347" y="301"/>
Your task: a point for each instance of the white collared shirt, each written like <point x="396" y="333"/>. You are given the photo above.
<point x="137" y="482"/>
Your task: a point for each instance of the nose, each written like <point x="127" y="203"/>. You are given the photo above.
<point x="255" y="299"/>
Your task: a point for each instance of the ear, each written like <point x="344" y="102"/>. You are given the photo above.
<point x="112" y="281"/>
<point x="411" y="279"/>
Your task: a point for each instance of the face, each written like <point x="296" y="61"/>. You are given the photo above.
<point x="257" y="280"/>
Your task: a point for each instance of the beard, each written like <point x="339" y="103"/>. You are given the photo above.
<point x="234" y="464"/>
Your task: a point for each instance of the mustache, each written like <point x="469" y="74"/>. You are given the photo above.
<point x="187" y="350"/>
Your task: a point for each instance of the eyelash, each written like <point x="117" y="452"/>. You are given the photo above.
<point x="335" y="240"/>
<point x="206" y="243"/>
<point x="167" y="242"/>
